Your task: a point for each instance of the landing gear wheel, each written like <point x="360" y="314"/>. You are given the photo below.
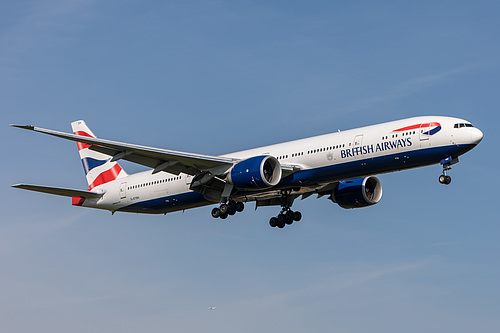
<point x="273" y="222"/>
<point x="297" y="216"/>
<point x="444" y="179"/>
<point x="224" y="216"/>
<point x="231" y="205"/>
<point x="281" y="221"/>
<point x="215" y="213"/>
<point x="223" y="209"/>
<point x="240" y="206"/>
<point x="289" y="217"/>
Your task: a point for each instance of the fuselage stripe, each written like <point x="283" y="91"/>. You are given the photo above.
<point x="412" y="127"/>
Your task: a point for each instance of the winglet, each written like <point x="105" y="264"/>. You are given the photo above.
<point x="28" y="127"/>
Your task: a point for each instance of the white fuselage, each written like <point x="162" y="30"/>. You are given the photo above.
<point x="342" y="155"/>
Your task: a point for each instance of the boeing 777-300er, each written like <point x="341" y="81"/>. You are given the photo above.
<point x="340" y="165"/>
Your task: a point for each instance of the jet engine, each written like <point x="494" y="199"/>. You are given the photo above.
<point x="356" y="193"/>
<point x="255" y="173"/>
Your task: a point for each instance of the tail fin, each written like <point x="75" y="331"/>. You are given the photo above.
<point x="97" y="166"/>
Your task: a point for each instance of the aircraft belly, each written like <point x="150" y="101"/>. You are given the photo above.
<point x="166" y="204"/>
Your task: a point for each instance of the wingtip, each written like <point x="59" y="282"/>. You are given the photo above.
<point x="28" y="127"/>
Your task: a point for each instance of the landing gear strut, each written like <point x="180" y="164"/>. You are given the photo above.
<point x="286" y="216"/>
<point x="231" y="208"/>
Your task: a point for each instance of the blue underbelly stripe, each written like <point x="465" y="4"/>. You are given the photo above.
<point x="168" y="203"/>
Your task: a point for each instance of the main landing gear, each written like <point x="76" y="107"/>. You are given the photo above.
<point x="287" y="216"/>
<point x="231" y="208"/>
<point x="284" y="218"/>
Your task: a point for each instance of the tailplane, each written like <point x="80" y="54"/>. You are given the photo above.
<point x="97" y="166"/>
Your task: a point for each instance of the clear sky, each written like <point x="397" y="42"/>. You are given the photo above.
<point x="219" y="76"/>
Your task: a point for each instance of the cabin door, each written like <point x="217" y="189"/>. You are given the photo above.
<point x="424" y="132"/>
<point x="358" y="140"/>
<point x="123" y="190"/>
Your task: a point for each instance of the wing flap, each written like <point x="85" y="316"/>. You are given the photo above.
<point x="65" y="192"/>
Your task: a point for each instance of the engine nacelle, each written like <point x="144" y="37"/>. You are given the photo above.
<point x="255" y="173"/>
<point x="359" y="192"/>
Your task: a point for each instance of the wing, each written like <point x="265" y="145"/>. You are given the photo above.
<point x="156" y="158"/>
<point x="65" y="192"/>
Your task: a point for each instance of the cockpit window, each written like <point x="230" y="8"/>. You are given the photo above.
<point x="462" y="125"/>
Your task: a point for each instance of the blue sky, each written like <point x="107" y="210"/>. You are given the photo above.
<point x="219" y="76"/>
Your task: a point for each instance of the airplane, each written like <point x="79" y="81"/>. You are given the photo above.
<point x="340" y="165"/>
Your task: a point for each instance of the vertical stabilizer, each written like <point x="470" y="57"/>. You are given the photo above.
<point x="97" y="166"/>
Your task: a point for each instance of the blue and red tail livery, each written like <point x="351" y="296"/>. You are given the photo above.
<point x="98" y="167"/>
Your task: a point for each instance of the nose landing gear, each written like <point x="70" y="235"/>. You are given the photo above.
<point x="446" y="163"/>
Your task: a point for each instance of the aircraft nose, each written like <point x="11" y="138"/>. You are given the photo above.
<point x="476" y="135"/>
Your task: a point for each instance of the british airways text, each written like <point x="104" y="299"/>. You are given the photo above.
<point x="382" y="146"/>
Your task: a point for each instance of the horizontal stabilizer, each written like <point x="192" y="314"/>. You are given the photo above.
<point x="66" y="192"/>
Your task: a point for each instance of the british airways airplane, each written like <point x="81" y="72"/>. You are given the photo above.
<point x="340" y="165"/>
